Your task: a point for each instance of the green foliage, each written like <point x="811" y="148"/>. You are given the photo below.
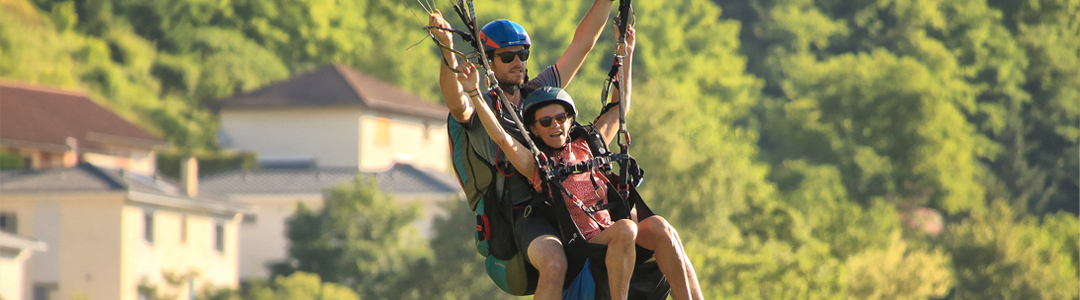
<point x="300" y="285"/>
<point x="361" y="238"/>
<point x="783" y="138"/>
<point x="168" y="162"/>
<point x="175" y="284"/>
<point x="457" y="271"/>
<point x="31" y="49"/>
<point x="1046" y="125"/>
<point x="981" y="80"/>
<point x="63" y="15"/>
<point x="873" y="121"/>
<point x="898" y="273"/>
<point x="11" y="161"/>
<point x="999" y="255"/>
<point x="847" y="226"/>
<point x="233" y="64"/>
<point x="210" y="292"/>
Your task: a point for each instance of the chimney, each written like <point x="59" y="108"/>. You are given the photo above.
<point x="189" y="175"/>
<point x="71" y="156"/>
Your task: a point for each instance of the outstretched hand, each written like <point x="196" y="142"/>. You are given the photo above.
<point x="468" y="76"/>
<point x="435" y="22"/>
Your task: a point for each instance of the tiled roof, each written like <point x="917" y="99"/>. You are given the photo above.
<point x="44" y="118"/>
<point x="400" y="179"/>
<point x="87" y="178"/>
<point x="336" y="85"/>
<point x="83" y="177"/>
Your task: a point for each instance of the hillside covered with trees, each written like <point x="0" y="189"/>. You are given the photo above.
<point x="855" y="149"/>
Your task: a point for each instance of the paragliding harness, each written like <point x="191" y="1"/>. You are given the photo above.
<point x="586" y="275"/>
<point x="487" y="191"/>
<point x="586" y="270"/>
<point x="487" y="188"/>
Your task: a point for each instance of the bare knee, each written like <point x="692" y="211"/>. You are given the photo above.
<point x="547" y="256"/>
<point x="658" y="227"/>
<point x="626" y="231"/>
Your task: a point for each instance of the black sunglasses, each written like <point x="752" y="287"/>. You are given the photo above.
<point x="508" y="57"/>
<point x="546" y="121"/>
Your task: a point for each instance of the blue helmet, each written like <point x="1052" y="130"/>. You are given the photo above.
<point x="543" y="96"/>
<point x="503" y="33"/>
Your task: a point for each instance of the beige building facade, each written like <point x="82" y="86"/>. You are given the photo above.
<point x="337" y="117"/>
<point x="320" y="129"/>
<point x="89" y="192"/>
<point x="115" y="234"/>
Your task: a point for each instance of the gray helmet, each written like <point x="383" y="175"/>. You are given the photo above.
<point x="543" y="96"/>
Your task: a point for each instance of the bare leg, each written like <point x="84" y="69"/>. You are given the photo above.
<point x="547" y="256"/>
<point x="657" y="235"/>
<point x="621" y="253"/>
<point x="691" y="275"/>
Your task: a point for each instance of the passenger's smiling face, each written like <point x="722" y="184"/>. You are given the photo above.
<point x="551" y="124"/>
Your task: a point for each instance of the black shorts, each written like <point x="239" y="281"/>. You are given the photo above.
<point x="538" y="222"/>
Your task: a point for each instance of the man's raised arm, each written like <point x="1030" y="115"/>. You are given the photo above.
<point x="453" y="95"/>
<point x="588" y="31"/>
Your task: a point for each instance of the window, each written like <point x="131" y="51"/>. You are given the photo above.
<point x="382" y="131"/>
<point x="44" y="291"/>
<point x="183" y="229"/>
<point x="219" y="237"/>
<point x="8" y="222"/>
<point x="148" y="226"/>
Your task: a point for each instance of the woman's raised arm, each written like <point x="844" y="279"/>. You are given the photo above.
<point x="518" y="154"/>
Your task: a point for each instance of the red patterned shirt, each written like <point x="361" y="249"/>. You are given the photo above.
<point x="589" y="187"/>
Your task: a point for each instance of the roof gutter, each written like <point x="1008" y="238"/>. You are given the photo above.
<point x="226" y="208"/>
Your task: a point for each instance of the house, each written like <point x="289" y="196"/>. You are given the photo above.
<point x="319" y="129"/>
<point x="274" y="194"/>
<point x="336" y="117"/>
<point x="113" y="234"/>
<point x="49" y="127"/>
<point x="15" y="250"/>
<point x="112" y="228"/>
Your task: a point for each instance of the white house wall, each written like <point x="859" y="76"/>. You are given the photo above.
<point x="12" y="273"/>
<point x="420" y="142"/>
<point x="83" y="237"/>
<point x="264" y="239"/>
<point x="96" y="247"/>
<point x="193" y="257"/>
<point x="331" y="135"/>
<point x="90" y="254"/>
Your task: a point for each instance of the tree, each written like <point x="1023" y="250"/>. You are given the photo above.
<point x="1000" y="255"/>
<point x="457" y="271"/>
<point x="361" y="239"/>
<point x="300" y="285"/>
<point x="898" y="273"/>
<point x="891" y="125"/>
<point x="1042" y="168"/>
<point x="988" y="60"/>
<point x="31" y="49"/>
